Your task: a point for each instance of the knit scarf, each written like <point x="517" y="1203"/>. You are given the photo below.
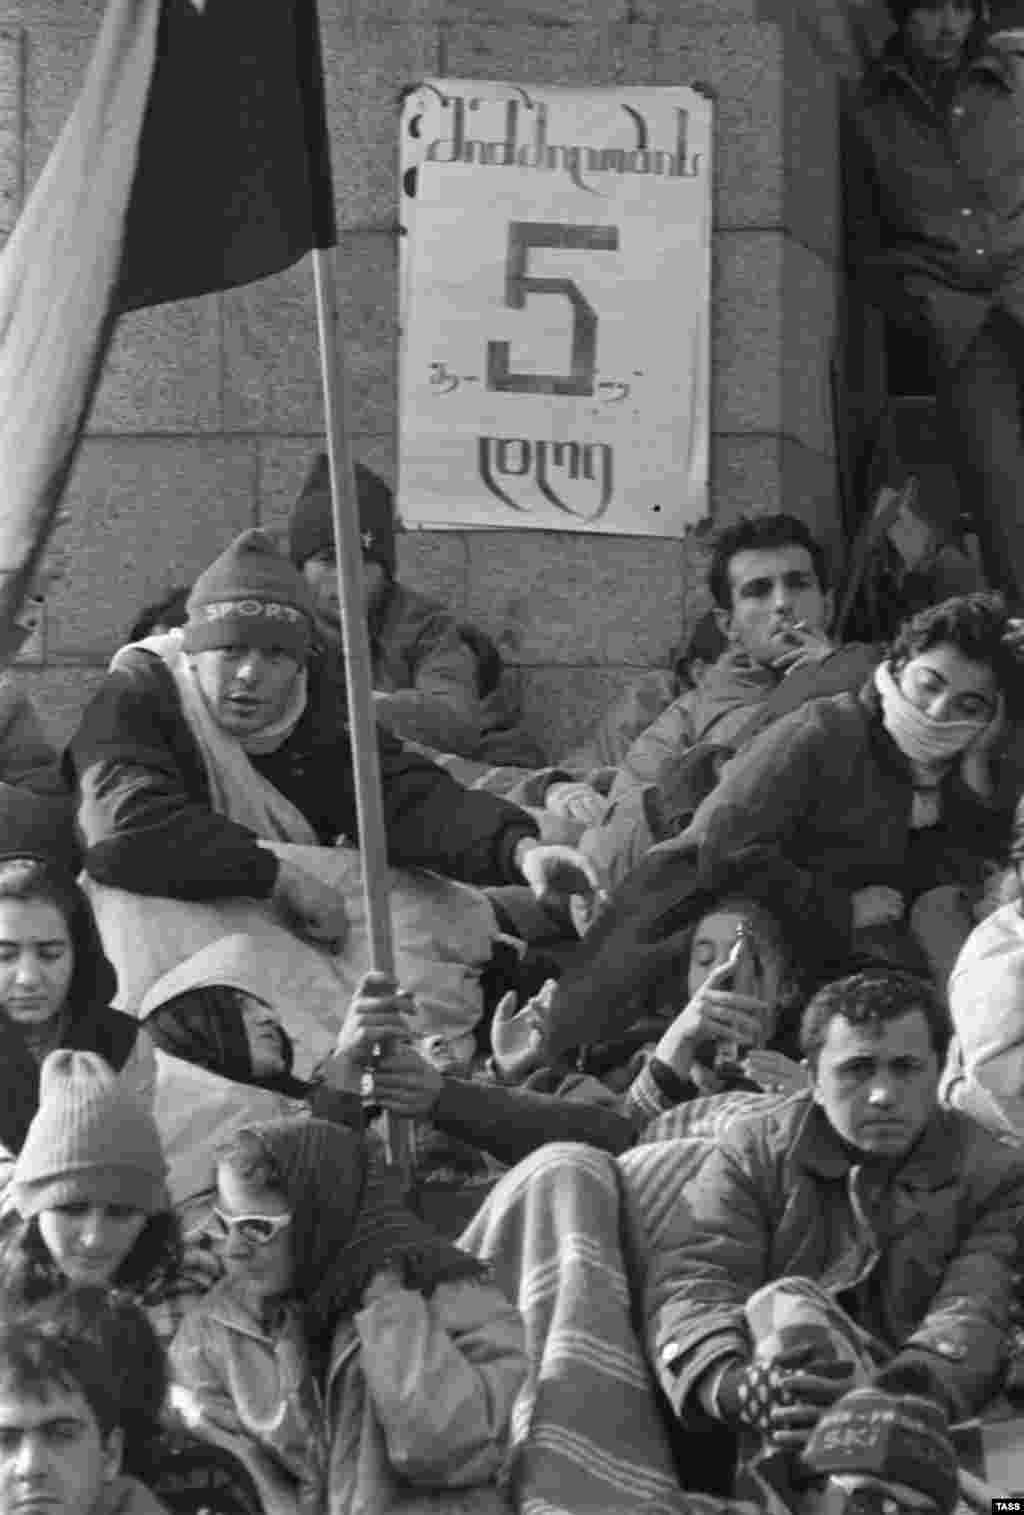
<point x="237" y="789"/>
<point x="929" y="746"/>
<point x="349" y="1220"/>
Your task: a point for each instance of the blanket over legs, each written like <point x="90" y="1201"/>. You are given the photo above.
<point x="588" y="1434"/>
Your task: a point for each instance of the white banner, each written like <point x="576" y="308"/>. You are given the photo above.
<point x="555" y="307"/>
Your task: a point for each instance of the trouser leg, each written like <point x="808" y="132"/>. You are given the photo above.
<point x="980" y="412"/>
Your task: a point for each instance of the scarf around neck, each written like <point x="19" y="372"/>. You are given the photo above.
<point x="929" y="746"/>
<point x="921" y="738"/>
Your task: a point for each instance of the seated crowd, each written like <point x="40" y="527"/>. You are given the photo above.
<point x="708" y="1037"/>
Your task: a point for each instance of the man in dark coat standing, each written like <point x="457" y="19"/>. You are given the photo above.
<point x="935" y="203"/>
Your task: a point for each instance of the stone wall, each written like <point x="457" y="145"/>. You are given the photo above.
<point x="209" y="410"/>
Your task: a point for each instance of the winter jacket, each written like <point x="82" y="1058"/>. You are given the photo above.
<point x="718" y="708"/>
<point x="935" y="195"/>
<point x="126" y="1496"/>
<point x="418" y="1393"/>
<point x="425" y="673"/>
<point x="145" y="808"/>
<point x="779" y="1195"/>
<point x="735" y="699"/>
<point x="984" y="1074"/>
<point x="830" y="790"/>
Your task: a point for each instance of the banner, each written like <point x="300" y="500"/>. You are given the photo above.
<point x="195" y="159"/>
<point x="555" y="283"/>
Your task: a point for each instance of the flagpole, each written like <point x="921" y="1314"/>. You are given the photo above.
<point x="358" y="671"/>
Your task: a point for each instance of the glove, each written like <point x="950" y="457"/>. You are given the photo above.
<point x="782" y="1399"/>
<point x="751" y="1393"/>
<point x="892" y="1438"/>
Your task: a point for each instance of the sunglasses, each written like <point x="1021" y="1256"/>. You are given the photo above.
<point x="259" y="1230"/>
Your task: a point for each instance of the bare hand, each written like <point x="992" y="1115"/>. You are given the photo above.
<point x="576" y="801"/>
<point x="385" y="1281"/>
<point x="804" y="647"/>
<point x="375" y="1022"/>
<point x="877" y="905"/>
<point x="715" y="1013"/>
<point x="1013" y="636"/>
<point x="556" y="873"/>
<point x="404" y="1083"/>
<point x="776" y="1073"/>
<point x="312" y="908"/>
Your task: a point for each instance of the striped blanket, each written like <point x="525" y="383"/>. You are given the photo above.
<point x="588" y="1433"/>
<point x="566" y="1232"/>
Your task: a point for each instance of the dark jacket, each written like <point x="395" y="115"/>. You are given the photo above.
<point x="780" y="1196"/>
<point x="88" y="1024"/>
<point x="424" y="672"/>
<point x="831" y="791"/>
<point x="145" y="808"/>
<point x="935" y="195"/>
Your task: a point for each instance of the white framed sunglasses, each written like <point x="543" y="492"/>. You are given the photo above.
<point x="259" y="1230"/>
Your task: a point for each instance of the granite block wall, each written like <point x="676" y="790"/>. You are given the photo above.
<point x="209" y="410"/>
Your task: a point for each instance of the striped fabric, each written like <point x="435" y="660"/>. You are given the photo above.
<point x="587" y="1432"/>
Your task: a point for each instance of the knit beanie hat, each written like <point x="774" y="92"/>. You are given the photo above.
<point x="250" y="596"/>
<point x="90" y="1141"/>
<point x="311" y="527"/>
<point x="896" y="1438"/>
<point x="349" y="1218"/>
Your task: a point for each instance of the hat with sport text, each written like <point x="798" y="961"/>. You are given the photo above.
<point x="250" y="596"/>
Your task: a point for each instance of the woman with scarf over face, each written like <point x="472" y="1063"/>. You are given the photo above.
<point x="892" y="801"/>
<point x="350" y="1357"/>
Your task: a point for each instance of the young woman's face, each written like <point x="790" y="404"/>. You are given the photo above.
<point x="90" y="1242"/>
<point x="264" y="1036"/>
<point x="946" y="686"/>
<point x="36" y="960"/>
<point x="266" y="1270"/>
<point x="761" y="971"/>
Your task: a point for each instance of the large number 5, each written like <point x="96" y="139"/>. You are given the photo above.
<point x="522" y="235"/>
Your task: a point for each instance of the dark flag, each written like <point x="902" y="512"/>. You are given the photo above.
<point x="196" y="159"/>
<point x="234" y="178"/>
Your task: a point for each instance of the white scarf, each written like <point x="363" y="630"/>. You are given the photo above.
<point x="930" y="746"/>
<point x="237" y="789"/>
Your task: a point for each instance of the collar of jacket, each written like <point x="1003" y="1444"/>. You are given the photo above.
<point x="892" y="69"/>
<point x="229" y="1309"/>
<point x="932" y="1163"/>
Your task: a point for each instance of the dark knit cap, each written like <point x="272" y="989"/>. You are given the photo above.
<point x="90" y="1142"/>
<point x="250" y="596"/>
<point x="311" y="529"/>
<point x="349" y="1218"/>
<point x="896" y="1438"/>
